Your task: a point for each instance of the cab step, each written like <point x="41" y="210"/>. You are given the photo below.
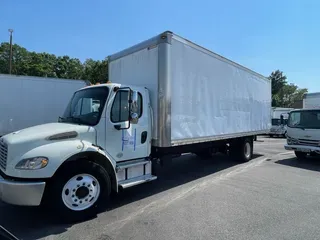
<point x="129" y="164"/>
<point x="136" y="181"/>
<point x="135" y="172"/>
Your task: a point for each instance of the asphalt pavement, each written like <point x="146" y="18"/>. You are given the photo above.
<point x="274" y="196"/>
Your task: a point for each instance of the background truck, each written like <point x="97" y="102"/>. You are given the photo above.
<point x="172" y="97"/>
<point x="303" y="131"/>
<point x="27" y="101"/>
<point x="279" y="121"/>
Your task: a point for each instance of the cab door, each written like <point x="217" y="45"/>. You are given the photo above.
<point x="125" y="140"/>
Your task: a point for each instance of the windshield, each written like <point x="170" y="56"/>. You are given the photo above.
<point x="86" y="106"/>
<point x="305" y="119"/>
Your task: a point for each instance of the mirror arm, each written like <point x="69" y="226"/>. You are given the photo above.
<point x="118" y="126"/>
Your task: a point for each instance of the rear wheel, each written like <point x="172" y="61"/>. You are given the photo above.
<point x="300" y="155"/>
<point x="242" y="150"/>
<point x="78" y="190"/>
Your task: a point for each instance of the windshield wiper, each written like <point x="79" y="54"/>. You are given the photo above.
<point x="297" y="126"/>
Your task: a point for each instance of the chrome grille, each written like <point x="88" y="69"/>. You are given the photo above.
<point x="308" y="142"/>
<point x="3" y="155"/>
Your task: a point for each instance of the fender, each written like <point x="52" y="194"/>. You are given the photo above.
<point x="98" y="157"/>
<point x="59" y="153"/>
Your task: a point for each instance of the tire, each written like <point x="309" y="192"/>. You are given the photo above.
<point x="78" y="191"/>
<point x="313" y="154"/>
<point x="300" y="155"/>
<point x="242" y="150"/>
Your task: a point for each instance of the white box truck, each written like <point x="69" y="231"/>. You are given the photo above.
<point x="279" y="121"/>
<point x="171" y="97"/>
<point x="26" y="101"/>
<point x="303" y="130"/>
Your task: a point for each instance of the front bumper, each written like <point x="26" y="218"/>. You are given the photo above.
<point x="279" y="132"/>
<point x="21" y="193"/>
<point x="302" y="148"/>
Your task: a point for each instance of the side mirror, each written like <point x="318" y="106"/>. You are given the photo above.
<point x="135" y="96"/>
<point x="134" y="114"/>
<point x="281" y="120"/>
<point x="122" y="125"/>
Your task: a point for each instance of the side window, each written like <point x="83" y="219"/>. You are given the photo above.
<point x="120" y="107"/>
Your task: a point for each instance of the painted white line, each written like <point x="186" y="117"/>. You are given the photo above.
<point x="286" y="153"/>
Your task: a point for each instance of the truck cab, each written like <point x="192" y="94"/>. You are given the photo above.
<point x="74" y="163"/>
<point x="303" y="133"/>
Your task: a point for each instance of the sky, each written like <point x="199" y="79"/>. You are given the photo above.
<point x="261" y="35"/>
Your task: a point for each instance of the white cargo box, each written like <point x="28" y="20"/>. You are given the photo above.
<point x="196" y="95"/>
<point x="311" y="100"/>
<point x="277" y="112"/>
<point x="26" y="101"/>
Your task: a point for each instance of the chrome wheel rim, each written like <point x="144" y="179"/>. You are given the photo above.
<point x="81" y="192"/>
<point x="247" y="150"/>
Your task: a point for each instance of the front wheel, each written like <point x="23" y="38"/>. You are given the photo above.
<point x="300" y="155"/>
<point x="78" y="190"/>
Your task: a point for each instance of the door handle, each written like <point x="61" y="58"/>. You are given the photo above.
<point x="144" y="136"/>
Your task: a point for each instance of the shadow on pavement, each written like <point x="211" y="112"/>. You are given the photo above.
<point x="182" y="171"/>
<point x="33" y="223"/>
<point x="310" y="163"/>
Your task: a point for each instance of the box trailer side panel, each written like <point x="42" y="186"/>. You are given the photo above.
<point x="213" y="98"/>
<point x="195" y="96"/>
<point x="311" y="100"/>
<point x="29" y="101"/>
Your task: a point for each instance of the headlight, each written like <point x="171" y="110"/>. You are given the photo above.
<point x="32" y="163"/>
<point x="292" y="140"/>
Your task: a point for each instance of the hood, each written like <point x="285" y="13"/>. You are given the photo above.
<point x="44" y="131"/>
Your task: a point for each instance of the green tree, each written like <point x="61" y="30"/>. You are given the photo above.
<point x="284" y="94"/>
<point x="41" y="64"/>
<point x="66" y="67"/>
<point x="278" y="81"/>
<point x="20" y="57"/>
<point x="96" y="71"/>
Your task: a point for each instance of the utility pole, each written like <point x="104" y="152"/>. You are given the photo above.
<point x="10" y="60"/>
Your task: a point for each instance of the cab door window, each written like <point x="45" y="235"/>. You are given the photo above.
<point x="120" y="107"/>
